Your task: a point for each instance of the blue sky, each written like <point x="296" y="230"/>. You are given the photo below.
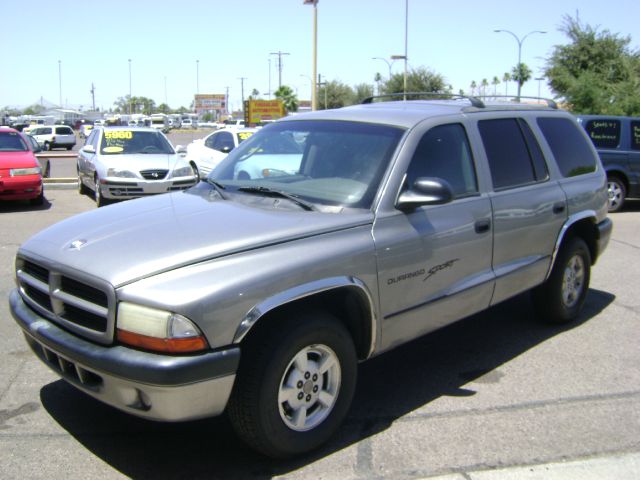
<point x="175" y="46"/>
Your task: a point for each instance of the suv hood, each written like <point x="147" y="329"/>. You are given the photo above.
<point x="138" y="238"/>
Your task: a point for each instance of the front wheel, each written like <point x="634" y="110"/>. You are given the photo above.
<point x="560" y="298"/>
<point x="294" y="385"/>
<point x="100" y="200"/>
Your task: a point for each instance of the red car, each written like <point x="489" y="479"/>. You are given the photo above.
<point x="20" y="172"/>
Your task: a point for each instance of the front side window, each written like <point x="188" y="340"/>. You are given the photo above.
<point x="604" y="133"/>
<point x="567" y="143"/>
<point x="334" y="163"/>
<point x="444" y="152"/>
<point x="508" y="153"/>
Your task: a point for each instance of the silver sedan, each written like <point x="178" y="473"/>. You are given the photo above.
<point x="119" y="163"/>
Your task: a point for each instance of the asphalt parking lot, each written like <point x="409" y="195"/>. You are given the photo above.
<point x="497" y="395"/>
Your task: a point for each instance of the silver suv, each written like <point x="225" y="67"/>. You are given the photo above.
<point x="367" y="227"/>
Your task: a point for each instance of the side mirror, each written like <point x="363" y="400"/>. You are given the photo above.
<point x="425" y="191"/>
<point x="181" y="150"/>
<point x="89" y="149"/>
<point x="226" y="149"/>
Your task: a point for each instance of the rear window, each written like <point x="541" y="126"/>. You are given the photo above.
<point x="635" y="135"/>
<point x="64" y="131"/>
<point x="12" y="142"/>
<point x="604" y="133"/>
<point x="572" y="153"/>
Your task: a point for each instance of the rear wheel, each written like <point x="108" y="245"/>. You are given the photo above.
<point x="617" y="193"/>
<point x="560" y="298"/>
<point x="47" y="146"/>
<point x="294" y="385"/>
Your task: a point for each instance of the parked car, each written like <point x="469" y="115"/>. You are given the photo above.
<point x="617" y="140"/>
<point x="119" y="163"/>
<point x="54" y="136"/>
<point x="259" y="296"/>
<point x="20" y="172"/>
<point x="205" y="153"/>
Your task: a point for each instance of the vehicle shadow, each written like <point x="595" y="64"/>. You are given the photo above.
<point x="16" y="206"/>
<point x="389" y="387"/>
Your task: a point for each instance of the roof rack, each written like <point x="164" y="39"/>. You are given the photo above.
<point x="550" y="103"/>
<point x="475" y="101"/>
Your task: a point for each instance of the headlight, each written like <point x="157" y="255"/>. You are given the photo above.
<point x="15" y="172"/>
<point x="185" y="171"/>
<point x="114" y="172"/>
<point x="158" y="330"/>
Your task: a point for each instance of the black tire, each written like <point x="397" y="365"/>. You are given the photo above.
<point x="39" y="200"/>
<point x="100" y="200"/>
<point x="260" y="414"/>
<point x="617" y="193"/>
<point x="82" y="188"/>
<point x="46" y="146"/>
<point x="561" y="297"/>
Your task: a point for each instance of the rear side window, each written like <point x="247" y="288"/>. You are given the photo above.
<point x="514" y="156"/>
<point x="604" y="133"/>
<point x="635" y="135"/>
<point x="572" y="153"/>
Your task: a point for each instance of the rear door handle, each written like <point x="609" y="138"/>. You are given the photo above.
<point x="483" y="225"/>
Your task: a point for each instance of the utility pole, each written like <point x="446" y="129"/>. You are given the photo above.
<point x="242" y="79"/>
<point x="226" y="101"/>
<point x="323" y="84"/>
<point x="279" y="54"/>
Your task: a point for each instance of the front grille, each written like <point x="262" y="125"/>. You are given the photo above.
<point x="154" y="174"/>
<point x="68" y="300"/>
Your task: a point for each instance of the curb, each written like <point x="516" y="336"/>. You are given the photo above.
<point x="60" y="183"/>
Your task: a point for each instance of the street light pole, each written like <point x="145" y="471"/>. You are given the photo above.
<point x="242" y="79"/>
<point x="539" y="79"/>
<point x="520" y="42"/>
<point x="60" y="80"/>
<point x="389" y="64"/>
<point x="130" y="100"/>
<point x="406" y="43"/>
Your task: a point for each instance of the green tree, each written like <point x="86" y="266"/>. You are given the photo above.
<point x="378" y="79"/>
<point x="288" y="98"/>
<point x="138" y="105"/>
<point x="473" y="87"/>
<point x="34" y="109"/>
<point x="596" y="72"/>
<point x="495" y="82"/>
<point x="506" y="78"/>
<point x="335" y="94"/>
<point x="418" y="80"/>
<point x="362" y="91"/>
<point x="521" y="74"/>
<point x="163" y="108"/>
<point x="484" y="84"/>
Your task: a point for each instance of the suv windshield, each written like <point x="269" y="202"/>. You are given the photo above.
<point x="12" y="142"/>
<point x="328" y="162"/>
<point x="129" y="142"/>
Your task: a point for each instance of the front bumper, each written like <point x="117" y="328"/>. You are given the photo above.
<point x="21" y="187"/>
<point x="148" y="385"/>
<point x="121" y="190"/>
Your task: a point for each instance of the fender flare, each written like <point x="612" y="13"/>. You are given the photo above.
<point x="572" y="220"/>
<point x="307" y="290"/>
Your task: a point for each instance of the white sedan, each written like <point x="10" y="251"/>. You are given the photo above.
<point x="206" y="153"/>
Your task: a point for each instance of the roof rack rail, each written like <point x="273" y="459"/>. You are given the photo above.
<point x="550" y="103"/>
<point x="475" y="101"/>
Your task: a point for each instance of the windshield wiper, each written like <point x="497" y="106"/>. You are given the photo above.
<point x="279" y="193"/>
<point x="218" y="187"/>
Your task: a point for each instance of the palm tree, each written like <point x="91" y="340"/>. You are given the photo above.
<point x="288" y="98"/>
<point x="495" y="82"/>
<point x="473" y="87"/>
<point x="485" y="84"/>
<point x="506" y="78"/>
<point x="521" y="73"/>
